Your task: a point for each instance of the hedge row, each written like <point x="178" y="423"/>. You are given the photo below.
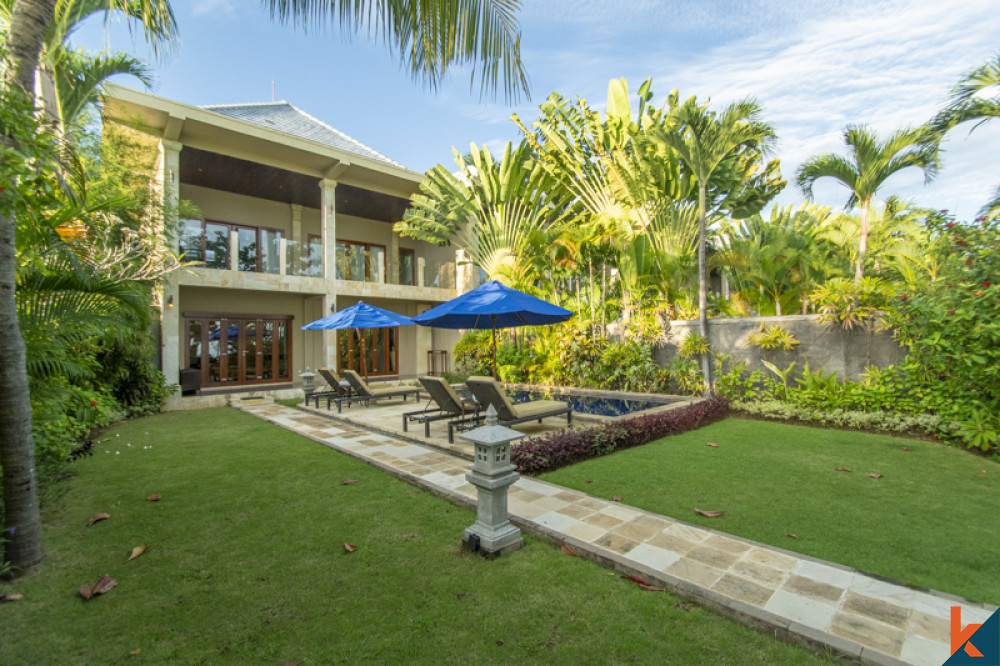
<point x="565" y="447"/>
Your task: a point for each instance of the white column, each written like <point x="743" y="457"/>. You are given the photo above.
<point x="298" y="251"/>
<point x="421" y="262"/>
<point x="392" y="261"/>
<point x="328" y="225"/>
<point x="464" y="276"/>
<point x="234" y="250"/>
<point x="170" y="307"/>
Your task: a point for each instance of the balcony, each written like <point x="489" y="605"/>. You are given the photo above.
<point x="244" y="257"/>
<point x="257" y="258"/>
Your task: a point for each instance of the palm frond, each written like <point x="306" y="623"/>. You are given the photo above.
<point x="428" y="37"/>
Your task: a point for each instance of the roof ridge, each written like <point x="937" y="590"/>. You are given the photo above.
<point x="345" y="136"/>
<point x="220" y="106"/>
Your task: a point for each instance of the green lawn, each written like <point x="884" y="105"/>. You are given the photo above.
<point x="246" y="564"/>
<point x="930" y="520"/>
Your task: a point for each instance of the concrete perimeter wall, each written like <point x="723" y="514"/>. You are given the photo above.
<point x="847" y="353"/>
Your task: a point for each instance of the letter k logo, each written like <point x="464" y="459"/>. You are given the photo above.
<point x="960" y="636"/>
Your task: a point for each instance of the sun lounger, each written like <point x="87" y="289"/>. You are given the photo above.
<point x="450" y="405"/>
<point x="365" y="393"/>
<point x="334" y="389"/>
<point x="489" y="392"/>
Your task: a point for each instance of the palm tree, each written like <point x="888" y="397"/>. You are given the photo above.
<point x="895" y="238"/>
<point x="429" y="36"/>
<point x="722" y="152"/>
<point x="781" y="257"/>
<point x="869" y="165"/>
<point x="503" y="213"/>
<point x="79" y="76"/>
<point x="70" y="79"/>
<point x="630" y="190"/>
<point x="968" y="103"/>
<point x="29" y="24"/>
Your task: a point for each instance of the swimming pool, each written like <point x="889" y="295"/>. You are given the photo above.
<point x="589" y="404"/>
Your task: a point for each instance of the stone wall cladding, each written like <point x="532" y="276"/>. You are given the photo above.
<point x="847" y="353"/>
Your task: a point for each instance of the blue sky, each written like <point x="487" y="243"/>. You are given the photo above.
<point x="814" y="65"/>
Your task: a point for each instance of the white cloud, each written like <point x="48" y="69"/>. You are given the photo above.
<point x="814" y="66"/>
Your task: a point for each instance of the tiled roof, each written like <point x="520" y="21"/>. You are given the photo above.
<point x="284" y="117"/>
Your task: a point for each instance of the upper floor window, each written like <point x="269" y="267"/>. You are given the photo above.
<point x="209" y="242"/>
<point x="361" y="262"/>
<point x="407" y="267"/>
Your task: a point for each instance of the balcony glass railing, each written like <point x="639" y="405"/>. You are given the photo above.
<point x="232" y="247"/>
<point x="248" y="249"/>
<point x="440" y="274"/>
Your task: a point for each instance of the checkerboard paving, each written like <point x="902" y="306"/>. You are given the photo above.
<point x="799" y="597"/>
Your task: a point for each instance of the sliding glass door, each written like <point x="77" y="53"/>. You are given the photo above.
<point x="381" y="355"/>
<point x="235" y="350"/>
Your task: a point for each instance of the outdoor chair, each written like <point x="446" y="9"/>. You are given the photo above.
<point x="365" y="393"/>
<point x="334" y="389"/>
<point x="489" y="392"/>
<point x="450" y="405"/>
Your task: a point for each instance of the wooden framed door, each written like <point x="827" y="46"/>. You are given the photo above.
<point x="236" y="350"/>
<point x="381" y="350"/>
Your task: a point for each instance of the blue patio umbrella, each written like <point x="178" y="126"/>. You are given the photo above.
<point x="493" y="305"/>
<point x="358" y="316"/>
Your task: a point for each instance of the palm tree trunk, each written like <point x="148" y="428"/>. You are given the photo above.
<point x="859" y="273"/>
<point x="604" y="299"/>
<point x="703" y="282"/>
<point x="22" y="523"/>
<point x="593" y="317"/>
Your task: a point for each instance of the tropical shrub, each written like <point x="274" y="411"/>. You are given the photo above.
<point x="565" y="447"/>
<point x="773" y="338"/>
<point x="848" y="305"/>
<point x="950" y="323"/>
<point x="776" y="410"/>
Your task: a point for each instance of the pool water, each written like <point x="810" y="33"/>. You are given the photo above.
<point x="587" y="404"/>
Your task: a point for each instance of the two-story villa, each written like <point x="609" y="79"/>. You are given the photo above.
<point x="297" y="222"/>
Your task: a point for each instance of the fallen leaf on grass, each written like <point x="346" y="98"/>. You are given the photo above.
<point x="616" y="498"/>
<point x="10" y="597"/>
<point x="155" y="497"/>
<point x="643" y="584"/>
<point x="711" y="444"/>
<point x="566" y="550"/>
<point x="875" y="475"/>
<point x="709" y="514"/>
<point x="789" y="534"/>
<point x="100" y="587"/>
<point x="98" y="517"/>
<point x="589" y="481"/>
<point x="137" y="551"/>
<point x="347" y="482"/>
<point x="843" y="469"/>
<point x="135" y="651"/>
<point x="350" y="547"/>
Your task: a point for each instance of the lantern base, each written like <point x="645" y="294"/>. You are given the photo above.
<point x="492" y="542"/>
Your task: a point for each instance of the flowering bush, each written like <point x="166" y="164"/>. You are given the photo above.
<point x="558" y="449"/>
<point x="950" y="323"/>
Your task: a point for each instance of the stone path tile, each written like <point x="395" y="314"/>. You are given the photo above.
<point x="807" y="599"/>
<point x="804" y="610"/>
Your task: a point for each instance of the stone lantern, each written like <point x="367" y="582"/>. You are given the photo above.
<point x="492" y="534"/>
<point x="308" y="383"/>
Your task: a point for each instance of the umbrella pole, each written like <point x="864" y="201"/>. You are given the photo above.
<point x="364" y="366"/>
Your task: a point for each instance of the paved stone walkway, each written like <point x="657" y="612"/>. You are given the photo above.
<point x="798" y="597"/>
